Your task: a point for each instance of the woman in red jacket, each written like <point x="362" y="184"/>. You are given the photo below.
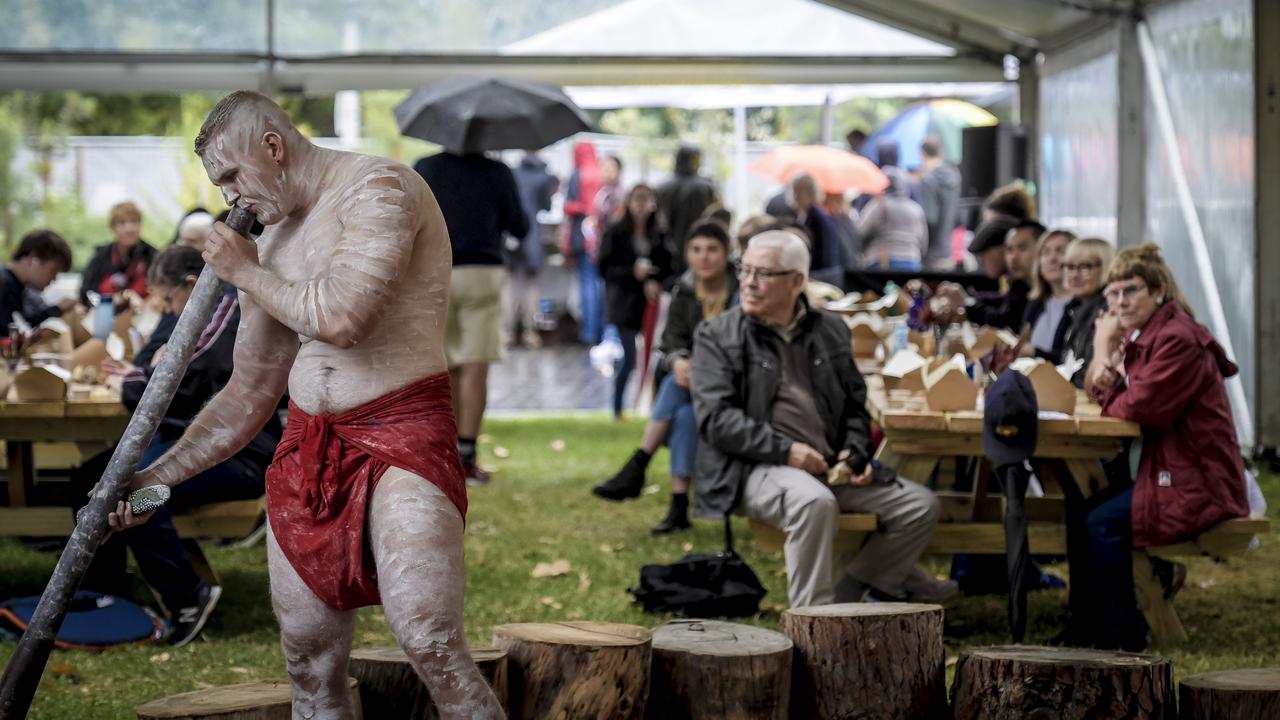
<point x="1156" y="366"/>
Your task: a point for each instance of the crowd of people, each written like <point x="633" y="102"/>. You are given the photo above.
<point x="755" y="390"/>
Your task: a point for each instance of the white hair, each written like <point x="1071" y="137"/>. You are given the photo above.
<point x="793" y="252"/>
<point x="202" y="221"/>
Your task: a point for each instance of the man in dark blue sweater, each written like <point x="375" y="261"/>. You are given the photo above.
<point x="40" y="256"/>
<point x="479" y="201"/>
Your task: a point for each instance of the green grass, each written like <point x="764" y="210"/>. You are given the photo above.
<point x="539" y="510"/>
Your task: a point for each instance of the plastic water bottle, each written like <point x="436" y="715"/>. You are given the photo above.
<point x="900" y="339"/>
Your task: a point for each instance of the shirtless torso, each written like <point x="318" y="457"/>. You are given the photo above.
<point x="406" y="344"/>
<point x="344" y="301"/>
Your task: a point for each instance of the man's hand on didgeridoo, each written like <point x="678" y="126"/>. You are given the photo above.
<point x="123" y="517"/>
<point x="229" y="253"/>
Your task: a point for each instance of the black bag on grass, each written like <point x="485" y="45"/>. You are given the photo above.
<point x="701" y="585"/>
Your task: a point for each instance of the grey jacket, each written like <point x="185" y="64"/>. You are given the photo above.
<point x="734" y="382"/>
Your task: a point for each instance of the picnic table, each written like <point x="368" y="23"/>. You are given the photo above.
<point x="22" y="425"/>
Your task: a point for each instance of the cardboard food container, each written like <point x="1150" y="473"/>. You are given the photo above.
<point x="38" y="384"/>
<point x="981" y="342"/>
<point x="852" y="304"/>
<point x="1054" y="392"/>
<point x="90" y="355"/>
<point x="866" y="332"/>
<point x="903" y="371"/>
<point x="948" y="388"/>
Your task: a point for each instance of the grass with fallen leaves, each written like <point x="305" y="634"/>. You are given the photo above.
<point x="541" y="548"/>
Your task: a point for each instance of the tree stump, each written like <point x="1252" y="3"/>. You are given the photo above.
<point x="1230" y="694"/>
<point x="575" y="669"/>
<point x="1040" y="683"/>
<point x="867" y="660"/>
<point x="389" y="687"/>
<point x="719" y="670"/>
<point x="242" y="701"/>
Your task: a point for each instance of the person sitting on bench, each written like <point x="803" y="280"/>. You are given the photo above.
<point x="779" y="402"/>
<point x="156" y="546"/>
<point x="1154" y="365"/>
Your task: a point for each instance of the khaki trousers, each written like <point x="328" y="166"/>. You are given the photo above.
<point x="808" y="511"/>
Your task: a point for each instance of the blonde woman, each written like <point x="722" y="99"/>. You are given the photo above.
<point x="1049" y="301"/>
<point x="1084" y="268"/>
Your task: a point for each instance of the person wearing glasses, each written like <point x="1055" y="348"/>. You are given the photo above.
<point x="779" y="403"/>
<point x="1154" y="365"/>
<point x="1083" y="268"/>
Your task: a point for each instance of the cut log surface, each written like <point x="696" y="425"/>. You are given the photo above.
<point x="575" y="669"/>
<point x="867" y="660"/>
<point x="1039" y="683"/>
<point x="1230" y="695"/>
<point x="242" y="701"/>
<point x="719" y="670"/>
<point x="391" y="689"/>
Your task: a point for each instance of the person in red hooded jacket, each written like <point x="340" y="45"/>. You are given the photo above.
<point x="1156" y="366"/>
<point x="579" y="204"/>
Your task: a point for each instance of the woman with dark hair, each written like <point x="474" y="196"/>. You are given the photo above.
<point x="1154" y="365"/>
<point x="704" y="291"/>
<point x="156" y="546"/>
<point x="634" y="261"/>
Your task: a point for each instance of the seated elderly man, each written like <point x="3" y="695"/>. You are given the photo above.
<point x="779" y="402"/>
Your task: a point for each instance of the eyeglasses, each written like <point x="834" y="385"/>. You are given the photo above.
<point x="1081" y="267"/>
<point x="745" y="274"/>
<point x="1128" y="292"/>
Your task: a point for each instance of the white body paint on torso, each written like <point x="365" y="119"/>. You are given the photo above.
<point x="406" y="343"/>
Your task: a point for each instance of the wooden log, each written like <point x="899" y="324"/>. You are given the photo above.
<point x="867" y="660"/>
<point x="1230" y="694"/>
<point x="1039" y="683"/>
<point x="391" y="689"/>
<point x="242" y="701"/>
<point x="719" y="671"/>
<point x="575" y="669"/>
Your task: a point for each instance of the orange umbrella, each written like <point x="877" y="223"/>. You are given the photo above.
<point x="835" y="170"/>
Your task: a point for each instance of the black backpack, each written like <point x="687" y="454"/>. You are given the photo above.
<point x="701" y="585"/>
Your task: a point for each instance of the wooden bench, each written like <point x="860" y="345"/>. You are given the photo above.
<point x="1050" y="538"/>
<point x="223" y="521"/>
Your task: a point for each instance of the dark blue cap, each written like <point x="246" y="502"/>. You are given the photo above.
<point x="1009" y="420"/>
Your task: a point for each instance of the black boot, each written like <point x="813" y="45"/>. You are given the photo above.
<point x="628" y="482"/>
<point x="677" y="516"/>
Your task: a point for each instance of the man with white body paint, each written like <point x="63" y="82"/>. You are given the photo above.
<point x="344" y="302"/>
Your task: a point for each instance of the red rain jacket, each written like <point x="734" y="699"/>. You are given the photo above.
<point x="1191" y="474"/>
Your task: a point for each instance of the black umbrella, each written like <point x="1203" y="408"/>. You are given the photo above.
<point x="1010" y="429"/>
<point x="476" y="114"/>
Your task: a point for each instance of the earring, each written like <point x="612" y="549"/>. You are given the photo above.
<point x="1159" y="300"/>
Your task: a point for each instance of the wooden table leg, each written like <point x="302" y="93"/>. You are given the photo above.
<point x="1162" y="619"/>
<point x="21" y="473"/>
<point x="1088" y="475"/>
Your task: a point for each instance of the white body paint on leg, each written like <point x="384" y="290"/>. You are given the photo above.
<point x="316" y="640"/>
<point x="417" y="544"/>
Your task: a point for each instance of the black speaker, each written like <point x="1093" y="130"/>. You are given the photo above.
<point x="990" y="157"/>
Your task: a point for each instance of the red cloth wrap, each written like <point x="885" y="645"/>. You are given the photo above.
<point x="324" y="473"/>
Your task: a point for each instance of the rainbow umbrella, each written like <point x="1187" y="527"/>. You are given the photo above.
<point x="945" y="118"/>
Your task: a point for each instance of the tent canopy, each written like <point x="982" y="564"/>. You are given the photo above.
<point x="321" y="46"/>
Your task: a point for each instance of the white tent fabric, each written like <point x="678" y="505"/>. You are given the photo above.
<point x="710" y="97"/>
<point x="726" y="28"/>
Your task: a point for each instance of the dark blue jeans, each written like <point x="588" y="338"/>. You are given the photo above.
<point x="156" y="546"/>
<point x="590" y="292"/>
<point x="623" y="367"/>
<point x="1110" y="529"/>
